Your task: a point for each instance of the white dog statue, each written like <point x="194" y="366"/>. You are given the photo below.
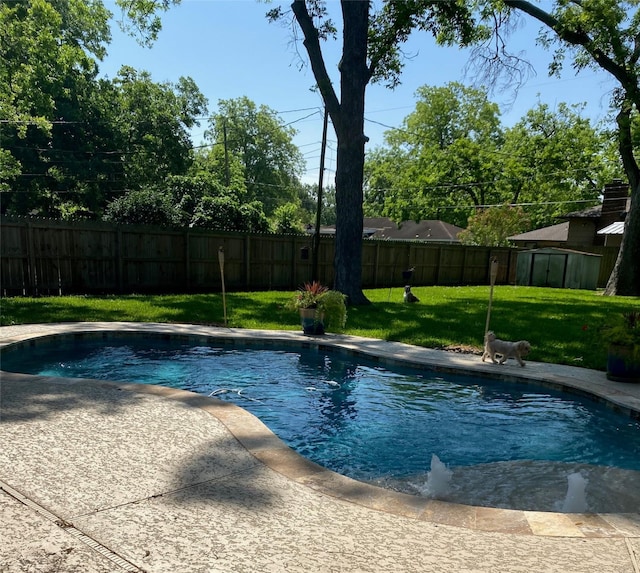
<point x="494" y="346"/>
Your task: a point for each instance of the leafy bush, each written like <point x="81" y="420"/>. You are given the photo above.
<point x="623" y="329"/>
<point x="286" y="219"/>
<point x="226" y="213"/>
<point x="491" y="227"/>
<point x="142" y="207"/>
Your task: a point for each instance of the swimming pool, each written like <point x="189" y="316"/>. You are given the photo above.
<point x="383" y="425"/>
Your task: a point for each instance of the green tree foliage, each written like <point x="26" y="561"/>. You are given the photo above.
<point x="308" y="199"/>
<point x="44" y="49"/>
<point x="187" y="192"/>
<point x="452" y="155"/>
<point x="214" y="187"/>
<point x="441" y="162"/>
<point x="255" y="136"/>
<point x="155" y="119"/>
<point x="492" y="226"/>
<point x="286" y="219"/>
<point x="72" y="142"/>
<point x="556" y="162"/>
<point x="226" y="213"/>
<point x="308" y="196"/>
<point x="47" y="91"/>
<point x="226" y="168"/>
<point x="147" y="206"/>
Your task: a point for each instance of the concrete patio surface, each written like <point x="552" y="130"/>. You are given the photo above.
<point x="106" y="477"/>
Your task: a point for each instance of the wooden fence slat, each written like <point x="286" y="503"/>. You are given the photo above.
<point x="47" y="257"/>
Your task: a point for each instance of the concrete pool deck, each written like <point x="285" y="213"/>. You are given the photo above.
<point x="101" y="476"/>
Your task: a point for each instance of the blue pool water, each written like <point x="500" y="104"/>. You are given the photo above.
<point x="368" y="422"/>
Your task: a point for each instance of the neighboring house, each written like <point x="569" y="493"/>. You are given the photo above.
<point x="385" y="228"/>
<point x="613" y="234"/>
<point x="554" y="236"/>
<point x="428" y="230"/>
<point x="595" y="226"/>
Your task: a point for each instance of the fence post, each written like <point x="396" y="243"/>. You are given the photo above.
<point x="464" y="265"/>
<point x="376" y="266"/>
<point x="439" y="266"/>
<point x="119" y="263"/>
<point x="294" y="261"/>
<point x="247" y="262"/>
<point x="31" y="258"/>
<point x="187" y="259"/>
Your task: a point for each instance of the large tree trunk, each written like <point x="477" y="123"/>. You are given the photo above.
<point x="625" y="278"/>
<point x="349" y="126"/>
<point x="349" y="219"/>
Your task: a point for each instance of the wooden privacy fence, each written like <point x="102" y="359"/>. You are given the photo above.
<point x="43" y="257"/>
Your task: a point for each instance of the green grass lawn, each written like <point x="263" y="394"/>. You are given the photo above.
<point x="561" y="325"/>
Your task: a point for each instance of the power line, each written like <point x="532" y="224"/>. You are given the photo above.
<point x="302" y="118"/>
<point x="35" y="122"/>
<point x="528" y="204"/>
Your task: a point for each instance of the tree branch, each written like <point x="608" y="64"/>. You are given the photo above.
<point x="312" y="45"/>
<point x="625" y="143"/>
<point x="577" y="38"/>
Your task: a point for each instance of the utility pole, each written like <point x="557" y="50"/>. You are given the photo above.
<point x="226" y="153"/>
<point x="316" y="235"/>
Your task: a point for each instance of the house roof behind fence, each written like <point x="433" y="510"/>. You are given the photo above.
<point x="427" y="230"/>
<point x="385" y="228"/>
<point x="559" y="232"/>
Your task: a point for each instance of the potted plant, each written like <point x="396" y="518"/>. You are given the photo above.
<point x="320" y="307"/>
<point x="622" y="333"/>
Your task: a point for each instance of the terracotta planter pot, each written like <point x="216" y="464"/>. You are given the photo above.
<point x="311" y="324"/>
<point x="622" y="365"/>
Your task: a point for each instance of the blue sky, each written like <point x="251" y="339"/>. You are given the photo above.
<point x="230" y="50"/>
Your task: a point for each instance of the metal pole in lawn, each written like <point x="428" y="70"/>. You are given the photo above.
<point x="316" y="236"/>
<point x="492" y="277"/>
<point x="224" y="296"/>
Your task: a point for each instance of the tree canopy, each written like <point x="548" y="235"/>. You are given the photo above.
<point x="493" y="226"/>
<point x="155" y="119"/>
<point x="76" y="145"/>
<point x="441" y="161"/>
<point x="47" y="88"/>
<point x="71" y="142"/>
<point x="263" y="145"/>
<point x="554" y="162"/>
<point x="452" y="156"/>
<point x="244" y="177"/>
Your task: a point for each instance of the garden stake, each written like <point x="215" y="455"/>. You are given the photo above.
<point x="224" y="297"/>
<point x="493" y="275"/>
